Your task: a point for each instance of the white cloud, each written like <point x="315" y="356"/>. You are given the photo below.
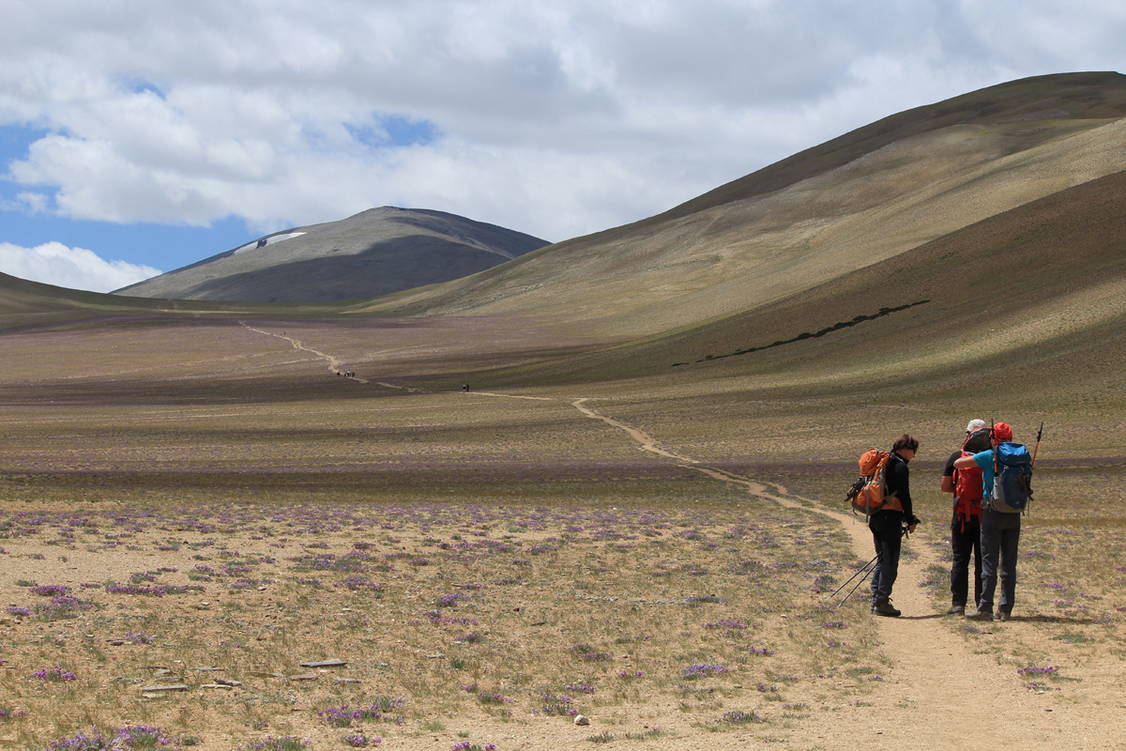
<point x="77" y="268"/>
<point x="555" y="119"/>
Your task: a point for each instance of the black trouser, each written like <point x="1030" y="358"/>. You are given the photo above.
<point x="1000" y="539"/>
<point x="887" y="535"/>
<point x="965" y="539"/>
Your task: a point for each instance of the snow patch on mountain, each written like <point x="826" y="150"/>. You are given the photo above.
<point x="264" y="241"/>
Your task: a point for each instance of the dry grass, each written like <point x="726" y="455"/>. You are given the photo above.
<point x="472" y="614"/>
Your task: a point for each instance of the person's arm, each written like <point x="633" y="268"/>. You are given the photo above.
<point x="965" y="462"/>
<point x="904" y="493"/>
<point x="947" y="485"/>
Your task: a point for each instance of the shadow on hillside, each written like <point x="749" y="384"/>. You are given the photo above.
<point x="382" y="268"/>
<point x="814" y="334"/>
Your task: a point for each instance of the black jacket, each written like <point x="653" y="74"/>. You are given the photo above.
<point x="898" y="484"/>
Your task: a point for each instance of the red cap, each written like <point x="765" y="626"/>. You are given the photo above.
<point x="1002" y="431"/>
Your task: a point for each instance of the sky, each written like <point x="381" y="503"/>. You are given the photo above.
<point x="138" y="136"/>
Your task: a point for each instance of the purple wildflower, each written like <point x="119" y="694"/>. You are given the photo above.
<point x="450" y="600"/>
<point x="700" y="671"/>
<point x="378" y="711"/>
<point x="1033" y="670"/>
<point x="558" y="705"/>
<point x="55" y="675"/>
<point x="587" y="652"/>
<point x="580" y="688"/>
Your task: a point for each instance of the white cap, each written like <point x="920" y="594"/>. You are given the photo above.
<point x="974" y="425"/>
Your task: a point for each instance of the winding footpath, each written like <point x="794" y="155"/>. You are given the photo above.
<point x="939" y="693"/>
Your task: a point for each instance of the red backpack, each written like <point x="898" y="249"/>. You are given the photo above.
<point x="967" y="493"/>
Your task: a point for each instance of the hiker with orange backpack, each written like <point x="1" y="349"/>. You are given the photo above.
<point x="965" y="525"/>
<point x="887" y="524"/>
<point x="1007" y="488"/>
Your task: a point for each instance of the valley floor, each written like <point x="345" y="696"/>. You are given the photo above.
<point x="656" y="556"/>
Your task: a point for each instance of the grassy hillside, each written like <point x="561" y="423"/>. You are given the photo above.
<point x="24" y="303"/>
<point x="1036" y="293"/>
<point x="855" y="201"/>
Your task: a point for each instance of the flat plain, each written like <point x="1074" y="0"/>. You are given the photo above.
<point x="207" y="505"/>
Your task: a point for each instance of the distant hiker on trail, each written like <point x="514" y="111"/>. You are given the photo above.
<point x="1006" y="470"/>
<point x="465" y="387"/>
<point x="887" y="524"/>
<point x="965" y="525"/>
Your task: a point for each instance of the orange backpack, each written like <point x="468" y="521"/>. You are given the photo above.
<point x="867" y="493"/>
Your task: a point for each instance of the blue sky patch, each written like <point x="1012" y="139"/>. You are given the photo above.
<point x="394" y="130"/>
<point x="163" y="246"/>
<point x="139" y="85"/>
<point x="14" y="142"/>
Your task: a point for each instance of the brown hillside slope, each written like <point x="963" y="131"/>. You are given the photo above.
<point x="24" y="303"/>
<point x="19" y="296"/>
<point x="1035" y="296"/>
<point x="929" y="172"/>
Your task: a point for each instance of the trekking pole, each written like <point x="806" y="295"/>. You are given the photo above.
<point x="858" y="573"/>
<point x="1039" y="434"/>
<point x="855" y="587"/>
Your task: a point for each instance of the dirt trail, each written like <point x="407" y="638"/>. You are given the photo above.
<point x="647" y="442"/>
<point x="938" y="694"/>
<point x="334" y="365"/>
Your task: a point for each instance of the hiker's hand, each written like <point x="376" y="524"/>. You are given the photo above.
<point x="911" y="528"/>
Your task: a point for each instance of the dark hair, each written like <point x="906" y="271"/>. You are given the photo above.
<point x="977" y="441"/>
<point x="905" y="442"/>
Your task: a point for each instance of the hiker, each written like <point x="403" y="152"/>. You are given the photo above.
<point x="887" y="524"/>
<point x="965" y="524"/>
<point x="1000" y="526"/>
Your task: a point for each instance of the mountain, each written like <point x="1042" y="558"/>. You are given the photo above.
<point x="1032" y="299"/>
<point x="973" y="250"/>
<point x="856" y="201"/>
<point x="373" y="253"/>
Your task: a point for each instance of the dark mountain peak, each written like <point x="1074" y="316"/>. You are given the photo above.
<point x="375" y="252"/>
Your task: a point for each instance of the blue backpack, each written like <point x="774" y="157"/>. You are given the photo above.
<point x="1012" y="483"/>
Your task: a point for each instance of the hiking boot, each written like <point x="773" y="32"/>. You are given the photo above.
<point x="956" y="610"/>
<point x="884" y="607"/>
<point x="980" y="615"/>
<point x="1003" y="616"/>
